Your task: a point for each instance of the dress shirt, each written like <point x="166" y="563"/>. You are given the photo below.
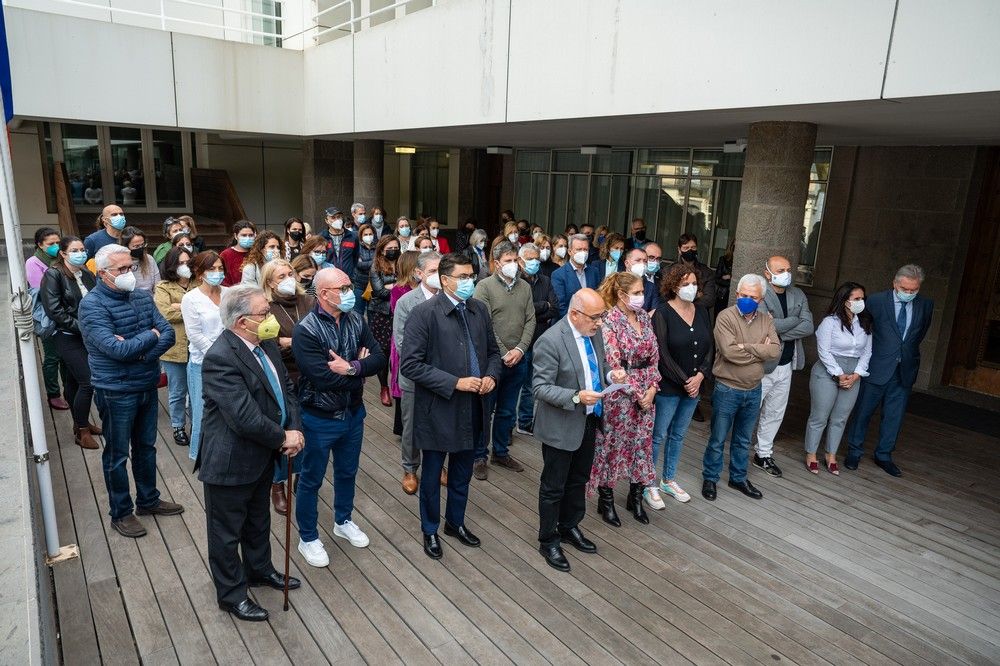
<point x="427" y="292"/>
<point x="909" y="311"/>
<point x="588" y="378"/>
<point x="202" y="323"/>
<point x="251" y="346"/>
<point x="581" y="275"/>
<point x="832" y="340"/>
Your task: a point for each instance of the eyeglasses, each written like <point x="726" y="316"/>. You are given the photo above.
<point x="119" y="271"/>
<point x="597" y="318"/>
<point x="139" y="247"/>
<point x="464" y="276"/>
<point x="258" y="314"/>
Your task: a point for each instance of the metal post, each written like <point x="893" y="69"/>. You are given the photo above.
<point x="21" y="306"/>
<point x="163" y="16"/>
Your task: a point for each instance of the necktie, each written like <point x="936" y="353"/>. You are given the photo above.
<point x="273" y="381"/>
<point x="473" y="359"/>
<point x="901" y="319"/>
<point x="595" y="373"/>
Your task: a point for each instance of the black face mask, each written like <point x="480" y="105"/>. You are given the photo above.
<point x="306" y="283"/>
<point x="689" y="256"/>
<point x="138" y="252"/>
<point x="392" y="255"/>
<point x="469" y="230"/>
<point x="296" y="235"/>
<point x="640" y="235"/>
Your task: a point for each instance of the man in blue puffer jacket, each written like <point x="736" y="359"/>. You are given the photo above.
<point x="125" y="335"/>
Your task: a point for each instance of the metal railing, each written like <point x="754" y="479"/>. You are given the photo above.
<point x="352" y="24"/>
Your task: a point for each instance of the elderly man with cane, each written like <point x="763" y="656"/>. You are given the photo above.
<point x="251" y="414"/>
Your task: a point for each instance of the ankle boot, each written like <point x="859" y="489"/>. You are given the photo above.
<point x="634" y="503"/>
<point x="606" y="506"/>
<point x="84" y="439"/>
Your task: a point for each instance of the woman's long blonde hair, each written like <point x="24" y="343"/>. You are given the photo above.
<point x="615" y="285"/>
<point x="267" y="273"/>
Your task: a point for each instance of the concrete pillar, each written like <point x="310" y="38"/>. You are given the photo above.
<point x="773" y="197"/>
<point x="327" y="178"/>
<point x="465" y="205"/>
<point x="368" y="174"/>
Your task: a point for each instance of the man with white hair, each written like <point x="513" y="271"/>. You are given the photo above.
<point x="359" y="214"/>
<point x="125" y="335"/>
<point x="745" y="339"/>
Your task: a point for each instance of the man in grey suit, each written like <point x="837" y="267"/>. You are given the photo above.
<point x="569" y="375"/>
<point x="430" y="284"/>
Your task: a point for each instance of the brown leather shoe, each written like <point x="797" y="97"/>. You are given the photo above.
<point x="508" y="462"/>
<point x="444" y="476"/>
<point x="410" y="483"/>
<point x="164" y="508"/>
<point x="278" y="498"/>
<point x="479" y="470"/>
<point x="129" y="526"/>
<point x="95" y="430"/>
<point x="84" y="439"/>
<point x="386" y="396"/>
<point x="56" y="402"/>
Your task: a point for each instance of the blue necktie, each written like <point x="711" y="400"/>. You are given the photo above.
<point x="901" y="319"/>
<point x="473" y="359"/>
<point x="273" y="381"/>
<point x="595" y="373"/>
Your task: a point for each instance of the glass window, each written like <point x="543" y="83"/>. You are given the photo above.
<point x="600" y="199"/>
<point x="668" y="221"/>
<point x="618" y="210"/>
<point x="269" y="25"/>
<point x="126" y="166"/>
<point x="557" y="204"/>
<point x="570" y="160"/>
<point x="664" y="162"/>
<point x="717" y="163"/>
<point x="83" y="164"/>
<point x="522" y="191"/>
<point x="429" y="184"/>
<point x="619" y="161"/>
<point x="168" y="162"/>
<point x="725" y="212"/>
<point x="539" y="198"/>
<point x="532" y="160"/>
<point x="576" y="208"/>
<point x="812" y="221"/>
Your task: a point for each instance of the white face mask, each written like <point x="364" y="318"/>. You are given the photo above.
<point x="434" y="232"/>
<point x="286" y="287"/>
<point x="638" y="270"/>
<point x="368" y="239"/>
<point x="857" y="307"/>
<point x="433" y="281"/>
<point x="125" y="281"/>
<point x="184" y="271"/>
<point x="544" y="254"/>
<point x="635" y="302"/>
<point x="688" y="292"/>
<point x="512" y="238"/>
<point x="425" y="250"/>
<point x="782" y="279"/>
<point x="580" y="258"/>
<point x="509" y="270"/>
<point x="338" y="224"/>
<point x="481" y="245"/>
<point x="561" y="252"/>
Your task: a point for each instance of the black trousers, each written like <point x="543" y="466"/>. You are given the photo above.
<point x="562" y="500"/>
<point x="77" y="388"/>
<point x="238" y="519"/>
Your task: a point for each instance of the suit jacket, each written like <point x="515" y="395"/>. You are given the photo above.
<point x="404" y="306"/>
<point x="241" y="426"/>
<point x="600" y="269"/>
<point x="888" y="348"/>
<point x="557" y="374"/>
<point x="565" y="283"/>
<point x="434" y="356"/>
<point x="797" y="325"/>
<point x="650" y="296"/>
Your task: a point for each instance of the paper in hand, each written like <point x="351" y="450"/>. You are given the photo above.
<point x="613" y="388"/>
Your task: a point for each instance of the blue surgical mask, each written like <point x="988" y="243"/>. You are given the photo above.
<point x="318" y="257"/>
<point x="246" y="242"/>
<point x="362" y="218"/>
<point x="404" y="232"/>
<point x="118" y="222"/>
<point x="378" y="219"/>
<point x="904" y="296"/>
<point x="465" y="289"/>
<point x="215" y="278"/>
<point x="346" y="303"/>
<point x="746" y="305"/>
<point x="78" y="258"/>
<point x="531" y="266"/>
<point x="615" y="255"/>
<point x="270" y="255"/>
<point x="652" y="266"/>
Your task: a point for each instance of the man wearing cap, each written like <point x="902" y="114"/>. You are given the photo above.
<point x="334" y="350"/>
<point x="341" y="243"/>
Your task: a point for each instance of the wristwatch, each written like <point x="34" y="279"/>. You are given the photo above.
<point x="576" y="398"/>
<point x="351" y="370"/>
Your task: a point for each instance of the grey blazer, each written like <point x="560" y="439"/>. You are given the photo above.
<point x="404" y="306"/>
<point x="797" y="325"/>
<point x="558" y="374"/>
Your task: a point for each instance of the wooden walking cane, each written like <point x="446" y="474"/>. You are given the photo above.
<point x="288" y="524"/>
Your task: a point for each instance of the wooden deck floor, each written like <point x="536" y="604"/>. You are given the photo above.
<point x="858" y="569"/>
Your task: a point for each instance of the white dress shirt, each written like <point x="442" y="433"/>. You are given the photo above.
<point x="896" y="304"/>
<point x="832" y="340"/>
<point x="202" y="323"/>
<point x="588" y="377"/>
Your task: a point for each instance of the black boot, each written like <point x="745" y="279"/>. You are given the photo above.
<point x="606" y="506"/>
<point x="634" y="503"/>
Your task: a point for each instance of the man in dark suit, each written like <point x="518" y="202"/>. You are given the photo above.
<point x="575" y="274"/>
<point x="450" y="353"/>
<point x="901" y="319"/>
<point x="635" y="263"/>
<point x="251" y="415"/>
<point x="638" y="237"/>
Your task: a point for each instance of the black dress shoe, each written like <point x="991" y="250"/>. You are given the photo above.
<point x="181" y="437"/>
<point x="246" y="610"/>
<point x="555" y="558"/>
<point x="575" y="538"/>
<point x="275" y="580"/>
<point x="851" y="463"/>
<point x="432" y="546"/>
<point x="463" y="534"/>
<point x="606" y="506"/>
<point x="746" y="488"/>
<point x="889" y="467"/>
<point x="708" y="490"/>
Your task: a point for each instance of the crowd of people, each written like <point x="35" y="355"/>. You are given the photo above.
<point x="589" y="341"/>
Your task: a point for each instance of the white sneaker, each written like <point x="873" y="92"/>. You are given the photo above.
<point x="653" y="499"/>
<point x="348" y="530"/>
<point x="314" y="553"/>
<point x="671" y="488"/>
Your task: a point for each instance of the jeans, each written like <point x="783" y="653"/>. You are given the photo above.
<point x="673" y="416"/>
<point x="736" y="410"/>
<point x="177" y="391"/>
<point x="129" y="418"/>
<point x="197" y="407"/>
<point x="526" y="402"/>
<point x="503" y="399"/>
<point x="325" y="436"/>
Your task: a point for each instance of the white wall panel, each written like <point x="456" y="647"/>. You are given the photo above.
<point x="329" y="88"/>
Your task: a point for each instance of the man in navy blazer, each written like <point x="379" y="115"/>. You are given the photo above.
<point x="902" y="317"/>
<point x="635" y="263"/>
<point x="574" y="275"/>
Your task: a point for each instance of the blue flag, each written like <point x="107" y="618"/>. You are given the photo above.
<point x="5" y="87"/>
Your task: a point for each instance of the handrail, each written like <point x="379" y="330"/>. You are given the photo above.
<point x="355" y="19"/>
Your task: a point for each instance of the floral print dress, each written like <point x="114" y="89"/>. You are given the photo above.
<point x="625" y="448"/>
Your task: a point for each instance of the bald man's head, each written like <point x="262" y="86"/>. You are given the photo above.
<point x="331" y="285"/>
<point x="331" y="277"/>
<point x="586" y="310"/>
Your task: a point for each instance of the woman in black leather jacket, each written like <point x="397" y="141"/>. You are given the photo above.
<point x="63" y="286"/>
<point x="383" y="277"/>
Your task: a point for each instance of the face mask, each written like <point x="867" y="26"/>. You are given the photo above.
<point x="782" y="279"/>
<point x="580" y="258"/>
<point x="905" y="297"/>
<point x="637" y="270"/>
<point x="512" y="238"/>
<point x="635" y="302"/>
<point x="600" y="239"/>
<point x="52" y="250"/>
<point x="561" y="252"/>
<point x="268" y="328"/>
<point x="746" y="305"/>
<point x="544" y="254"/>
<point x="640" y="235"/>
<point x="125" y="281"/>
<point x="346" y="303"/>
<point x="337" y="224"/>
<point x="392" y="254"/>
<point x="296" y="235"/>
<point x="137" y="252"/>
<point x="246" y="242"/>
<point x="186" y="248"/>
<point x="689" y="255"/>
<point x="215" y="278"/>
<point x="318" y="257"/>
<point x="184" y="271"/>
<point x="509" y="270"/>
<point x="435" y="232"/>
<point x="615" y="255"/>
<point x="688" y="292"/>
<point x="78" y="257"/>
<point x="404" y="232"/>
<point x="433" y="281"/>
<point x="117" y="222"/>
<point x="857" y="307"/>
<point x="469" y="230"/>
<point x="531" y="266"/>
<point x="306" y="283"/>
<point x="270" y="255"/>
<point x="480" y="246"/>
<point x="378" y="220"/>
<point x="362" y="218"/>
<point x="177" y="233"/>
<point x="367" y="239"/>
<point x="465" y="289"/>
<point x="652" y="266"/>
<point x="425" y="250"/>
<point x="286" y="287"/>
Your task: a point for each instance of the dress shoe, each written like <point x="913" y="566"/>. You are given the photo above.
<point x="479" y="470"/>
<point x="767" y="464"/>
<point x="507" y="461"/>
<point x="181" y="437"/>
<point x="275" y="580"/>
<point x="386" y="397"/>
<point x="708" y="490"/>
<point x="698" y="416"/>
<point x="56" y="402"/>
<point x="95" y="430"/>
<point x="278" y="498"/>
<point x="161" y="508"/>
<point x="129" y="526"/>
<point x="746" y="488"/>
<point x="554" y="557"/>
<point x="634" y="503"/>
<point x="432" y="546"/>
<point x="444" y="477"/>
<point x="463" y="534"/>
<point x="410" y="483"/>
<point x="851" y="463"/>
<point x="606" y="506"/>
<point x="888" y="466"/>
<point x="575" y="538"/>
<point x="246" y="610"/>
<point x="84" y="439"/>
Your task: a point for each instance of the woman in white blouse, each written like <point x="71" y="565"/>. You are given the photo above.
<point x="844" y="344"/>
<point x="203" y="324"/>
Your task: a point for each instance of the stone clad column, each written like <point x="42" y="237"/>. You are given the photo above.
<point x="772" y="201"/>
<point x="368" y="174"/>
<point x="327" y="178"/>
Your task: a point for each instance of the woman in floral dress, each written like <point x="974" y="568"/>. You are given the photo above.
<point x="625" y="449"/>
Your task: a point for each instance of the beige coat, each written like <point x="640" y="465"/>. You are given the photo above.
<point x="165" y="294"/>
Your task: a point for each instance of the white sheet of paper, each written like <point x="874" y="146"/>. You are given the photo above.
<point x="613" y="388"/>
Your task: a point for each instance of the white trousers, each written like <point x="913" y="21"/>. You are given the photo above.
<point x="774" y="389"/>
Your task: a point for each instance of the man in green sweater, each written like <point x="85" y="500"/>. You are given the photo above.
<point x="512" y="309"/>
